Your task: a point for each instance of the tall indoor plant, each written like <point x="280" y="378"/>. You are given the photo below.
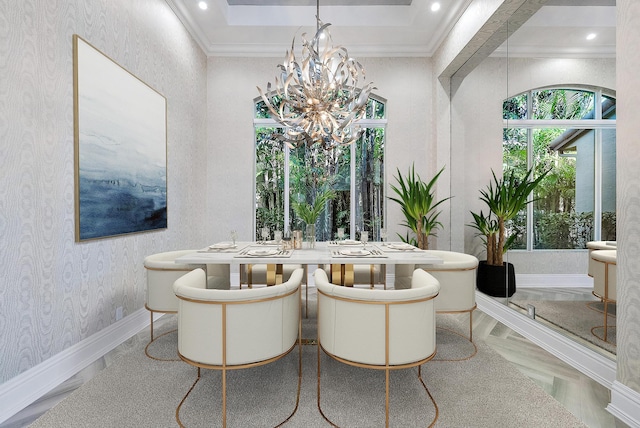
<point x="418" y="203"/>
<point x="504" y="197"/>
<point x="309" y="212"/>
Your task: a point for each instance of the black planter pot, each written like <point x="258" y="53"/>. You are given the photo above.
<point x="494" y="281"/>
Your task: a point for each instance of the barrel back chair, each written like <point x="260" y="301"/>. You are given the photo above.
<point x="377" y="329"/>
<point x="235" y="329"/>
<point x="596" y="246"/>
<point x="162" y="271"/>
<point x="457" y="277"/>
<point x="604" y="280"/>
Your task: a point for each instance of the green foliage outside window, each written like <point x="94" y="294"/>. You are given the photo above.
<point x="557" y="223"/>
<point x="311" y="170"/>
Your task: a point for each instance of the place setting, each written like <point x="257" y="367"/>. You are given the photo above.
<point x="221" y="247"/>
<point x="399" y="247"/>
<point x="358" y="252"/>
<point x="265" y="252"/>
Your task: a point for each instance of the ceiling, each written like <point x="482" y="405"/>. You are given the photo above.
<point x="388" y="28"/>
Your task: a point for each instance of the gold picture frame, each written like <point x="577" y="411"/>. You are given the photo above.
<point x="120" y="136"/>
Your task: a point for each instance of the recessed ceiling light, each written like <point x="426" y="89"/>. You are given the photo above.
<point x="591" y="36"/>
<point x="435" y="7"/>
<point x="203" y="5"/>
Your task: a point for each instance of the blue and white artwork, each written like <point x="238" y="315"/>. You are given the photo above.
<point x="121" y="149"/>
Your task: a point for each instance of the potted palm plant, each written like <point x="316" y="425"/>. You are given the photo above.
<point x="309" y="212"/>
<point x="418" y="202"/>
<point x="505" y="198"/>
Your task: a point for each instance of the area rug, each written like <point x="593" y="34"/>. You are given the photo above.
<point x="473" y="386"/>
<point x="584" y="319"/>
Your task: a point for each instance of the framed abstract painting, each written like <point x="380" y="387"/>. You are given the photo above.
<point x="120" y="148"/>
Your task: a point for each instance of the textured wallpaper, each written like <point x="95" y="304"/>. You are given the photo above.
<point x="628" y="208"/>
<point x="55" y="292"/>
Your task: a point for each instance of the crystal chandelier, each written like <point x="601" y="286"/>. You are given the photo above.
<point x="318" y="98"/>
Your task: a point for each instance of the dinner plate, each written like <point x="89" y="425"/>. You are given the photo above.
<point x="349" y="242"/>
<point x="222" y="246"/>
<point x="355" y="253"/>
<point x="262" y="252"/>
<point x="268" y="243"/>
<point x="401" y="246"/>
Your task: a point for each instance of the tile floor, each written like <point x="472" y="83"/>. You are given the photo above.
<point x="584" y="397"/>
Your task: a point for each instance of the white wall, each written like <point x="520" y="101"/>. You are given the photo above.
<point x="477" y="131"/>
<point x="55" y="292"/>
<point x="628" y="204"/>
<point x="404" y="82"/>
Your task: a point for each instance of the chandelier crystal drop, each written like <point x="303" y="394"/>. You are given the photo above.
<point x="319" y="98"/>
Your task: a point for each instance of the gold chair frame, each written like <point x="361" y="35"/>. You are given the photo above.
<point x="386" y="367"/>
<point x="460" y="311"/>
<point x="344" y="274"/>
<point x="604" y="299"/>
<point x="224" y="367"/>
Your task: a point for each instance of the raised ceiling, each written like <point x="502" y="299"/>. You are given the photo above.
<point x="388" y="27"/>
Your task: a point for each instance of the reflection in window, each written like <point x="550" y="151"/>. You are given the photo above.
<point x="575" y="203"/>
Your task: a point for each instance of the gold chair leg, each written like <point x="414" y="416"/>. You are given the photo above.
<point x="224" y="398"/>
<point x="151" y="312"/>
<point x="606" y="310"/>
<point x="386" y="398"/>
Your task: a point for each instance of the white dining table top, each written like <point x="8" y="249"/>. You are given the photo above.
<point x="323" y="253"/>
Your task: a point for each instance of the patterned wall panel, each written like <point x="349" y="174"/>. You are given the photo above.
<point x="55" y="292"/>
<point x="628" y="159"/>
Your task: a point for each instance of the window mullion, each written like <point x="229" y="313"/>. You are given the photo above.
<point x="530" y="219"/>
<point x="597" y="190"/>
<point x="352" y="188"/>
<point x="287" y="193"/>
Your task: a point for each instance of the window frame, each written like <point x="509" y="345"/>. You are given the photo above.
<point x="597" y="124"/>
<point x="364" y="123"/>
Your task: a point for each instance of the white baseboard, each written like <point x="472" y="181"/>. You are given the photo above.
<point x="29" y="386"/>
<point x="591" y="363"/>
<point x="553" y="281"/>
<point x="625" y="404"/>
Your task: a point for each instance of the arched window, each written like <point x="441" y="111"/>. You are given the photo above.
<point x="354" y="172"/>
<point x="570" y="131"/>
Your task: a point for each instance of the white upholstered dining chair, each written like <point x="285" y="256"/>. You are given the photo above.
<point x="244" y="328"/>
<point x="457" y="277"/>
<point x="596" y="246"/>
<point x="162" y="271"/>
<point x="378" y="329"/>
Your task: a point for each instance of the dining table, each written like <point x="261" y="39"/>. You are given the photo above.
<point x="340" y="255"/>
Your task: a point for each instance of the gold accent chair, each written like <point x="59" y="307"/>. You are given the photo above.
<point x="370" y="275"/>
<point x="251" y="274"/>
<point x="162" y="271"/>
<point x="604" y="281"/>
<point x="457" y="277"/>
<point x="236" y="329"/>
<point x="377" y="329"/>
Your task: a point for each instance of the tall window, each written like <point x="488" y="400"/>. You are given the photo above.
<point x="354" y="172"/>
<point x="572" y="133"/>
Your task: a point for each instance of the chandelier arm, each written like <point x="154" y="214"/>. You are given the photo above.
<point x="318" y="98"/>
